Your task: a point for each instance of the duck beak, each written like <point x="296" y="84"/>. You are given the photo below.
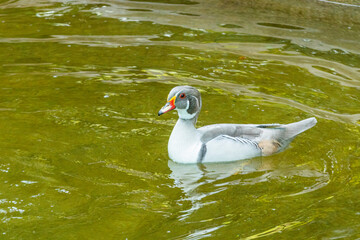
<point x="170" y="105"/>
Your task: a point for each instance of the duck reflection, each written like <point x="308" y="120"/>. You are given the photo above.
<point x="198" y="181"/>
<point x="191" y="178"/>
<point x="188" y="177"/>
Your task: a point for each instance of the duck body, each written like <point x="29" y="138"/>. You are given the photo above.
<point x="222" y="142"/>
<point x="190" y="145"/>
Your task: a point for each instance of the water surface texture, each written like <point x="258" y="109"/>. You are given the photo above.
<point x="83" y="154"/>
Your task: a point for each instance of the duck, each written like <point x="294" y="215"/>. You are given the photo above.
<point x="222" y="142"/>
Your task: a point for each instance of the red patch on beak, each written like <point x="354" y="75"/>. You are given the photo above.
<point x="170" y="105"/>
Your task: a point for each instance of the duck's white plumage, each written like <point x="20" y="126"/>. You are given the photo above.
<point x="222" y="142"/>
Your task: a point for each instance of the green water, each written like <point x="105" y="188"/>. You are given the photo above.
<point x="83" y="154"/>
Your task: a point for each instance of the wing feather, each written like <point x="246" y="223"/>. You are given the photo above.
<point x="243" y="131"/>
<point x="238" y="140"/>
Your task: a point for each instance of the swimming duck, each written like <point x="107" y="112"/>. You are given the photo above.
<point x="222" y="142"/>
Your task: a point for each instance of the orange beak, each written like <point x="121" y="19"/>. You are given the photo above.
<point x="170" y="105"/>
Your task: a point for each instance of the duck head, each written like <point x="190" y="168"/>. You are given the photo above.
<point x="186" y="100"/>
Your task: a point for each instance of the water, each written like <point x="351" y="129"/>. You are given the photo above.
<point x="83" y="154"/>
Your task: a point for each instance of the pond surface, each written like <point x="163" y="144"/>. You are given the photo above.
<point x="83" y="154"/>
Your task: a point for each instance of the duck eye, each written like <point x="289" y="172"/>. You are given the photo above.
<point x="182" y="96"/>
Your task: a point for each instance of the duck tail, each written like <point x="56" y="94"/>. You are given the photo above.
<point x="296" y="128"/>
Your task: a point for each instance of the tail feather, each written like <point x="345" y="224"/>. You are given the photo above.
<point x="296" y="128"/>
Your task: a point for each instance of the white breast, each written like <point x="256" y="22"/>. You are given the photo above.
<point x="184" y="143"/>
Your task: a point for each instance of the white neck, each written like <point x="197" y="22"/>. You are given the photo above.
<point x="183" y="114"/>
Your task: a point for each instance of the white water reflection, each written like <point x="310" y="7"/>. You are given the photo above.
<point x="190" y="177"/>
<point x="195" y="180"/>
